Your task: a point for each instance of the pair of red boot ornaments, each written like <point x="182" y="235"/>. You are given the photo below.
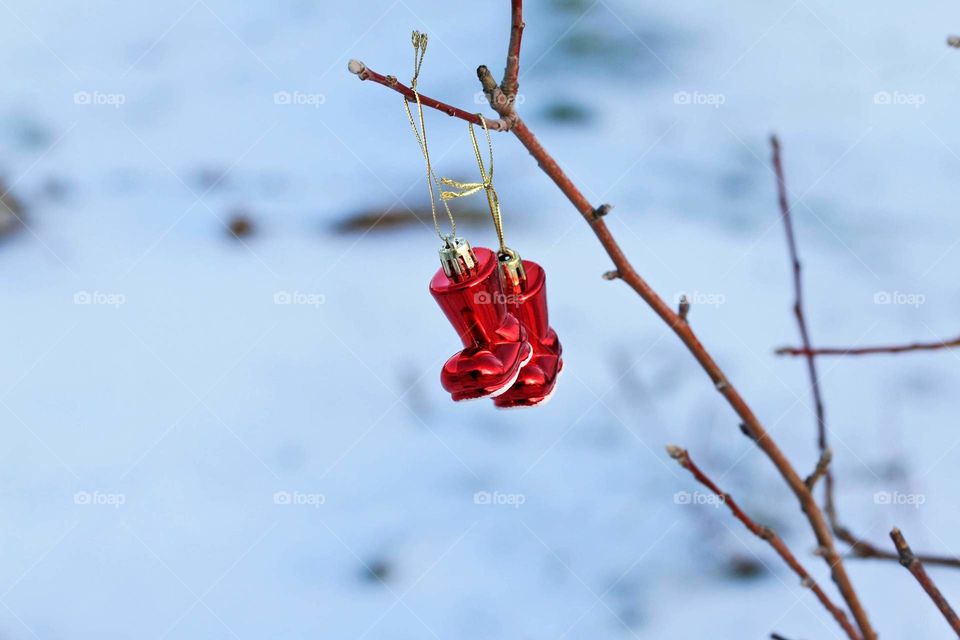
<point x="496" y="302"/>
<point x="498" y="305"/>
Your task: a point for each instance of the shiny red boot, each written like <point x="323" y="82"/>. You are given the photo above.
<point x="467" y="288"/>
<point x="524" y="285"/>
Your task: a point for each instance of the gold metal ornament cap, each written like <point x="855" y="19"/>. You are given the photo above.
<point x="457" y="258"/>
<point x="513" y="277"/>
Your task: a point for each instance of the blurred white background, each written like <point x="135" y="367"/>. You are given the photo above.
<point x="186" y="458"/>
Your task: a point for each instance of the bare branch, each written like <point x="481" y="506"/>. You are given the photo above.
<point x="823" y="465"/>
<point x="819" y="410"/>
<point x="865" y="351"/>
<point x="511" y="74"/>
<point x="860" y="548"/>
<point x="914" y="566"/>
<point x="867" y="551"/>
<point x="798" y="311"/>
<point x="363" y="72"/>
<point x="764" y="533"/>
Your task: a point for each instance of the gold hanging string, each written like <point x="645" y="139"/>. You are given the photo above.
<point x="419" y="51"/>
<point x="464" y="189"/>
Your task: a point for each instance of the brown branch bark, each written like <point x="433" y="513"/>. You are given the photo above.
<point x="866" y="351"/>
<point x="863" y="549"/>
<point x="626" y="272"/>
<point x="798" y="312"/>
<point x="511" y="74"/>
<point x="767" y="534"/>
<point x="860" y="548"/>
<point x="914" y="566"/>
<point x="363" y="72"/>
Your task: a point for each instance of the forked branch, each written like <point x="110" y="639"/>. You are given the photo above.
<point x="767" y="534"/>
<point x="860" y="548"/>
<point x="363" y="72"/>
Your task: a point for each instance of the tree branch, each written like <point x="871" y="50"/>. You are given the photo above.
<point x="865" y="550"/>
<point x="914" y="566"/>
<point x="823" y="465"/>
<point x="511" y="74"/>
<point x="629" y="275"/>
<point x="860" y="548"/>
<point x="866" y="351"/>
<point x="363" y="72"/>
<point x="768" y="534"/>
<point x="798" y="313"/>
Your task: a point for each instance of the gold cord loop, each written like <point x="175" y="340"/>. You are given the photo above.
<point x="464" y="189"/>
<point x="419" y="41"/>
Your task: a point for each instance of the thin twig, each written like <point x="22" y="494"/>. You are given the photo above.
<point x="823" y="465"/>
<point x="914" y="566"/>
<point x="511" y="74"/>
<point x="685" y="333"/>
<point x="866" y="351"/>
<point x="765" y="533"/>
<point x="860" y="548"/>
<point x="798" y="312"/>
<point x="868" y="551"/>
<point x="363" y="72"/>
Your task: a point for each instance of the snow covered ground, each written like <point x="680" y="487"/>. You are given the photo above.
<point x="186" y="458"/>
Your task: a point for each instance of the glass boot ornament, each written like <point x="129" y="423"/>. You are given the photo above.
<point x="495" y="347"/>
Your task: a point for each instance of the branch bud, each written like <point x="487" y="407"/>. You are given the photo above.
<point x="356" y="67"/>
